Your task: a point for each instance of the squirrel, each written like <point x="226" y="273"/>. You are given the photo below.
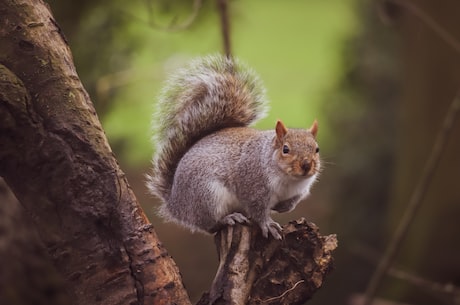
<point x="210" y="168"/>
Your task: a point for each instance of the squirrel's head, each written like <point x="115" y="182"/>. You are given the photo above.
<point x="297" y="151"/>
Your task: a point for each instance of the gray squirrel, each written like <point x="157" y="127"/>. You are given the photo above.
<point x="210" y="169"/>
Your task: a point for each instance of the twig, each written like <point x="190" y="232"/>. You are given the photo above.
<point x="430" y="22"/>
<point x="225" y="26"/>
<point x="284" y="293"/>
<point x="415" y="201"/>
<point x="446" y="292"/>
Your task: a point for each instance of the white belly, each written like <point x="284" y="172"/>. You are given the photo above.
<point x="283" y="190"/>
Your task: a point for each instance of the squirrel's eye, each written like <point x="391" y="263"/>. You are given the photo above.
<point x="285" y="149"/>
<point x="317" y="149"/>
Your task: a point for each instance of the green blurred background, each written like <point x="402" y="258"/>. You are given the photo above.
<point x="375" y="75"/>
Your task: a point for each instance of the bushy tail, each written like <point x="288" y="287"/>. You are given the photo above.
<point x="210" y="94"/>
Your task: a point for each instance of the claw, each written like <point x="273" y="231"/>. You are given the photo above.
<point x="274" y="228"/>
<point x="234" y="218"/>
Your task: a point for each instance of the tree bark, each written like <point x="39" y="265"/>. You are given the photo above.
<point x="27" y="275"/>
<point x="255" y="270"/>
<point x="56" y="159"/>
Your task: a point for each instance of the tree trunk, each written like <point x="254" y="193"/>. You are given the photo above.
<point x="56" y="159"/>
<point x="27" y="275"/>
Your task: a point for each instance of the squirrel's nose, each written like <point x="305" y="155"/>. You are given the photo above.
<point x="306" y="165"/>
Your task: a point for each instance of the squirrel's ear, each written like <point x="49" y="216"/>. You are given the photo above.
<point x="314" y="128"/>
<point x="281" y="131"/>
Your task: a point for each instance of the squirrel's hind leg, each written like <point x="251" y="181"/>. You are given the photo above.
<point x="272" y="227"/>
<point x="227" y="207"/>
<point x="265" y="222"/>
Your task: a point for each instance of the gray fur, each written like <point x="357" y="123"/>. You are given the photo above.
<point x="210" y="169"/>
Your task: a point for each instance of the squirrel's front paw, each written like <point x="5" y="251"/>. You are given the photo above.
<point x="274" y="228"/>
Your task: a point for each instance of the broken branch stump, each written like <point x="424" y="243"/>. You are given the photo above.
<point x="256" y="270"/>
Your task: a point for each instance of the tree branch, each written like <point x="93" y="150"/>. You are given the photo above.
<point x="223" y="8"/>
<point x="256" y="270"/>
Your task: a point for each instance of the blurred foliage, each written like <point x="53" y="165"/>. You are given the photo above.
<point x="362" y="113"/>
<point x="124" y="52"/>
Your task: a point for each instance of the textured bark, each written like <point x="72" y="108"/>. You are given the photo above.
<point x="256" y="270"/>
<point x="27" y="275"/>
<point x="56" y="159"/>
